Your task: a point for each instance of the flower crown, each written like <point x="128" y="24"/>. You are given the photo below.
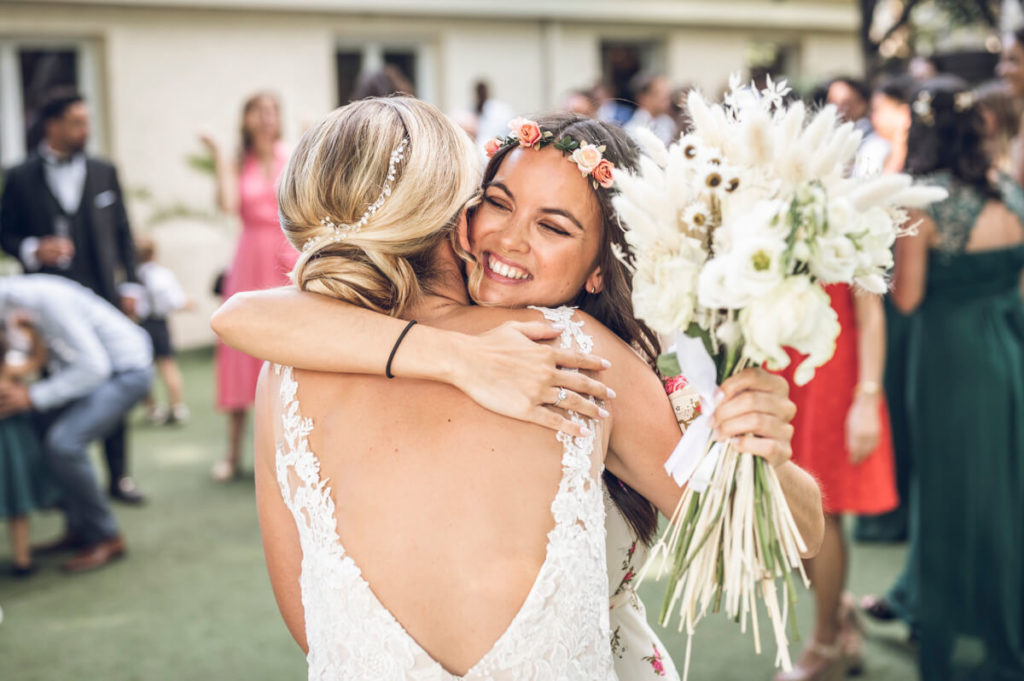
<point x="589" y="158"/>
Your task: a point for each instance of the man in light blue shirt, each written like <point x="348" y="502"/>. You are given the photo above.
<point x="100" y="367"/>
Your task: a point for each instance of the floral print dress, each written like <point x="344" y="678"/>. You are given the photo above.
<point x="638" y="653"/>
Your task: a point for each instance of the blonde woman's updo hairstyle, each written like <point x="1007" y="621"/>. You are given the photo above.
<point x="340" y="169"/>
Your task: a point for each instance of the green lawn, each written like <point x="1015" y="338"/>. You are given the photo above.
<point x="192" y="600"/>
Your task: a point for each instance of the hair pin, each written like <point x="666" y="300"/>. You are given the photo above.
<point x="962" y="101"/>
<point x="922" y="106"/>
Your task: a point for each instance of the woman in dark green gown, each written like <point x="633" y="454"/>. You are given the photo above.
<point x="961" y="275"/>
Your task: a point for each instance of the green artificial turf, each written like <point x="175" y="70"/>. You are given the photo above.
<point x="192" y="600"/>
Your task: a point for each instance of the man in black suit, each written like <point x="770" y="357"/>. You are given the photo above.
<point x="62" y="212"/>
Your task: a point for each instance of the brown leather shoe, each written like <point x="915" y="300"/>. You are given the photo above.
<point x="96" y="556"/>
<point x="66" y="542"/>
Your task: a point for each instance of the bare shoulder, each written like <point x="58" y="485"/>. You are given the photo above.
<point x="479" y="319"/>
<point x="608" y="345"/>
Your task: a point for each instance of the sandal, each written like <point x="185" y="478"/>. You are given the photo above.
<point x="831" y="664"/>
<point x="878" y="608"/>
<point x="225" y="471"/>
<point x="851" y="635"/>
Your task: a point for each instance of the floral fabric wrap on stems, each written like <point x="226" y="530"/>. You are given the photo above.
<point x="734" y="230"/>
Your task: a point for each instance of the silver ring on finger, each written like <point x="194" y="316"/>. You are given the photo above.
<point x="562" y="394"/>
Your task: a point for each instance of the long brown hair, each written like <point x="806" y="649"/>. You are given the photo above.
<point x="612" y="306"/>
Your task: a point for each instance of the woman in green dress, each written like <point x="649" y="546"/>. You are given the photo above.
<point x="960" y="273"/>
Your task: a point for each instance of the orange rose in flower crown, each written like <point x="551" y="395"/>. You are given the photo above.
<point x="602" y="173"/>
<point x="526" y="131"/>
<point x="492" y="146"/>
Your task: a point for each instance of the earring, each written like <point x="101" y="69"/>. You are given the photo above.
<point x="593" y="289"/>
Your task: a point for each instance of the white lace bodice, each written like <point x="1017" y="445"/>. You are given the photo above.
<point x="560" y="632"/>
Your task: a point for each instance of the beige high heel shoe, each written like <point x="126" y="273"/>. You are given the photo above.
<point x="225" y="471"/>
<point x="851" y="635"/>
<point x="818" y="662"/>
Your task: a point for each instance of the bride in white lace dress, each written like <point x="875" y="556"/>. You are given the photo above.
<point x="414" y="540"/>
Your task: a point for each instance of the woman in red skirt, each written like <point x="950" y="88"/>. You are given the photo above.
<point x="842" y="438"/>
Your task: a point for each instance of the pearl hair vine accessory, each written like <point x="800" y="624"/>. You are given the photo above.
<point x="341" y="231"/>
<point x="589" y="158"/>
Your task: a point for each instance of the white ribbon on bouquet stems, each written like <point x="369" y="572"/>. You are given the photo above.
<point x="732" y="524"/>
<point x="688" y="462"/>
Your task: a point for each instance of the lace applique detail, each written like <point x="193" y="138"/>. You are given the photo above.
<point x="562" y="630"/>
<point x="956" y="216"/>
<point x="573" y="331"/>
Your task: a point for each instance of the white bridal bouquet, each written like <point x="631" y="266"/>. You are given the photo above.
<point x="736" y="228"/>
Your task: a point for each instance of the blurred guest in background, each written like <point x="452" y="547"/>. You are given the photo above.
<point x="582" y="102"/>
<point x="492" y="115"/>
<point x="25" y="481"/>
<point x="247" y="186"/>
<point x="1011" y="70"/>
<point x="1001" y="113"/>
<point x="653" y="96"/>
<point x="890" y="119"/>
<point x="851" y="98"/>
<point x="386" y="81"/>
<point x="609" y="108"/>
<point x="63" y="213"/>
<point x="890" y="116"/>
<point x="100" y="366"/>
<point x="960" y="274"/>
<point x="161" y="296"/>
<point x="841" y="436"/>
<point x="922" y="67"/>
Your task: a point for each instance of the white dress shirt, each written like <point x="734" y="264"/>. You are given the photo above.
<point x="89" y="340"/>
<point x="663" y="126"/>
<point x="66" y="180"/>
<point x="162" y="292"/>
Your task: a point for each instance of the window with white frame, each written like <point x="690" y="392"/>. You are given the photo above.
<point x="30" y="69"/>
<point x="412" y="59"/>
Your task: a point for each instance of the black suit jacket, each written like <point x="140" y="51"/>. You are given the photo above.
<point x="26" y="211"/>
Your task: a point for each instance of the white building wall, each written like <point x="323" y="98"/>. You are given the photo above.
<point x="576" y="63"/>
<point x="831" y="55"/>
<point x="165" y="73"/>
<point x="705" y="57"/>
<point x="509" y="56"/>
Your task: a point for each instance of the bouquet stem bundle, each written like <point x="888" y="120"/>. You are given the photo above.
<point x="729" y="544"/>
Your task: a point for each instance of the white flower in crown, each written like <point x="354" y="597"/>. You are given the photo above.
<point x="587" y="157"/>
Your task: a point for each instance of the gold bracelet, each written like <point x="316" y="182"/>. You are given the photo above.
<point x="868" y="388"/>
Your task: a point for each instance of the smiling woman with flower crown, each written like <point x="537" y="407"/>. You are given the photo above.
<point x="544" y="233"/>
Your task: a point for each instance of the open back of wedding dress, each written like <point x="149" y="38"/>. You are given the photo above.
<point x="561" y="631"/>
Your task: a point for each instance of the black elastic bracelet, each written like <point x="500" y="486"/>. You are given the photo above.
<point x="387" y="369"/>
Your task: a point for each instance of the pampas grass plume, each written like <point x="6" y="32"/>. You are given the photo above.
<point x="878" y="191"/>
<point x="650" y="145"/>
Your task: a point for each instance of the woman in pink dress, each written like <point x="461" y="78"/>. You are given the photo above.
<point x="263" y="257"/>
